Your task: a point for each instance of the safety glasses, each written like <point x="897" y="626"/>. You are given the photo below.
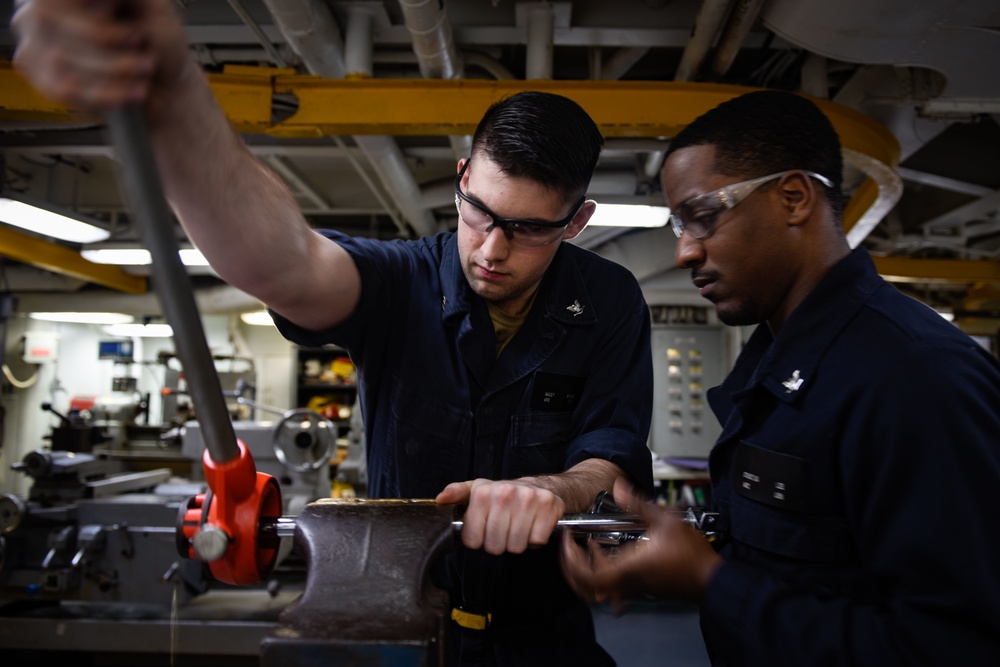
<point x="527" y="233"/>
<point x="698" y="215"/>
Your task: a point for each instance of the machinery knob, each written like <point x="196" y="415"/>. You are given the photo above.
<point x="210" y="543"/>
<point x="12" y="513"/>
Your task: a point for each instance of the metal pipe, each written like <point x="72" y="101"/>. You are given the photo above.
<point x="311" y="30"/>
<point x="541" y="22"/>
<point x="621" y="62"/>
<point x="141" y="184"/>
<point x="608" y="528"/>
<point x="436" y="52"/>
<point x="430" y="31"/>
<point x="258" y="32"/>
<point x="741" y="19"/>
<point x="358" y="49"/>
<point x="584" y="523"/>
<point x="706" y="27"/>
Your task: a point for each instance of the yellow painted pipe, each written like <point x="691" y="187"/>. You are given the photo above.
<point x="62" y="260"/>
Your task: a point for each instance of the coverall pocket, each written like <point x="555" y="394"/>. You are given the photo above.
<point x="430" y="437"/>
<point x="539" y="443"/>
<point x="801" y="537"/>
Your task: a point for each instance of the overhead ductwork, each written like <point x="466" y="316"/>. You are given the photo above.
<point x="948" y="37"/>
<point x="433" y="44"/>
<point x="312" y="31"/>
<point x="437" y="54"/>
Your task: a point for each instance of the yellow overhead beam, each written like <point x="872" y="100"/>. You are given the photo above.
<point x="445" y="107"/>
<point x="982" y="295"/>
<point x="19" y="101"/>
<point x="331" y="107"/>
<point x="244" y="93"/>
<point x="328" y="107"/>
<point x="454" y="106"/>
<point x="911" y="270"/>
<point x="62" y="260"/>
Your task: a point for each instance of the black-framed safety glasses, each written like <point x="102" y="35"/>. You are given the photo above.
<point x="528" y="233"/>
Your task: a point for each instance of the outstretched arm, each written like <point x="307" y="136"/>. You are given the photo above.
<point x="99" y="55"/>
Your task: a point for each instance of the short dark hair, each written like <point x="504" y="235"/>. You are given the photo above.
<point x="768" y="131"/>
<point x="545" y="137"/>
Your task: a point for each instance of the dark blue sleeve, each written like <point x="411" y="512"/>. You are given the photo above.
<point x="617" y="410"/>
<point x="381" y="264"/>
<point x="920" y="466"/>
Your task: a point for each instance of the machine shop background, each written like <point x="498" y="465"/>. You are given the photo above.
<point x="913" y="91"/>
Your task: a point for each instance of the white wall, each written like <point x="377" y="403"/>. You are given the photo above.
<point x="77" y="372"/>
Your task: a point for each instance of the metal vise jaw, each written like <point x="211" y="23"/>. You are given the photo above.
<point x="368" y="597"/>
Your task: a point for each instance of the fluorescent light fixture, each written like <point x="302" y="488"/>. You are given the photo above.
<point x="119" y="256"/>
<point x="84" y="318"/>
<point x="260" y="318"/>
<point x="47" y="220"/>
<point x="139" y="330"/>
<point x="629" y="215"/>
<point x="192" y="257"/>
<point x="138" y="256"/>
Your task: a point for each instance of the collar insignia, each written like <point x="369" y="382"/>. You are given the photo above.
<point x="793" y="383"/>
<point x="575" y="308"/>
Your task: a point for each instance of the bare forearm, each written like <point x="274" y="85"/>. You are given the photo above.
<point x="241" y="215"/>
<point x="229" y="204"/>
<point x="579" y="485"/>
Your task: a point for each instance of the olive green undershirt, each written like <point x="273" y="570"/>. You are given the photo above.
<point x="507" y="325"/>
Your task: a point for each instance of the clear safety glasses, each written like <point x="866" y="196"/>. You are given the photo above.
<point x="698" y="215"/>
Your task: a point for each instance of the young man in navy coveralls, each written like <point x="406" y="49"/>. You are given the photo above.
<point x="499" y="367"/>
<point x="857" y="470"/>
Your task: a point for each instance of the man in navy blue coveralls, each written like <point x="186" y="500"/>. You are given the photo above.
<point x="500" y="368"/>
<point x="857" y="470"/>
<point x="568" y="392"/>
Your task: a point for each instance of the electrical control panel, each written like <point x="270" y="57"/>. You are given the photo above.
<point x="687" y="362"/>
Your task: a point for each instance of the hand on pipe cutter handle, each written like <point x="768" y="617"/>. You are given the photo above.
<point x="605" y="523"/>
<point x="608" y="524"/>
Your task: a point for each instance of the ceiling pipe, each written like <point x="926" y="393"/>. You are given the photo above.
<point x="706" y="27"/>
<point x="383" y="153"/>
<point x="358" y="51"/>
<point x="902" y="118"/>
<point x="541" y="22"/>
<point x="437" y="54"/>
<point x="889" y="189"/>
<point x="707" y="24"/>
<point x="258" y="32"/>
<point x="433" y="43"/>
<point x="741" y="19"/>
<point x="490" y="65"/>
<point x="621" y="62"/>
<point x="312" y="31"/>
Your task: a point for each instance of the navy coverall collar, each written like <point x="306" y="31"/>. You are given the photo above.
<point x="563" y="299"/>
<point x="563" y="290"/>
<point x="787" y="364"/>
